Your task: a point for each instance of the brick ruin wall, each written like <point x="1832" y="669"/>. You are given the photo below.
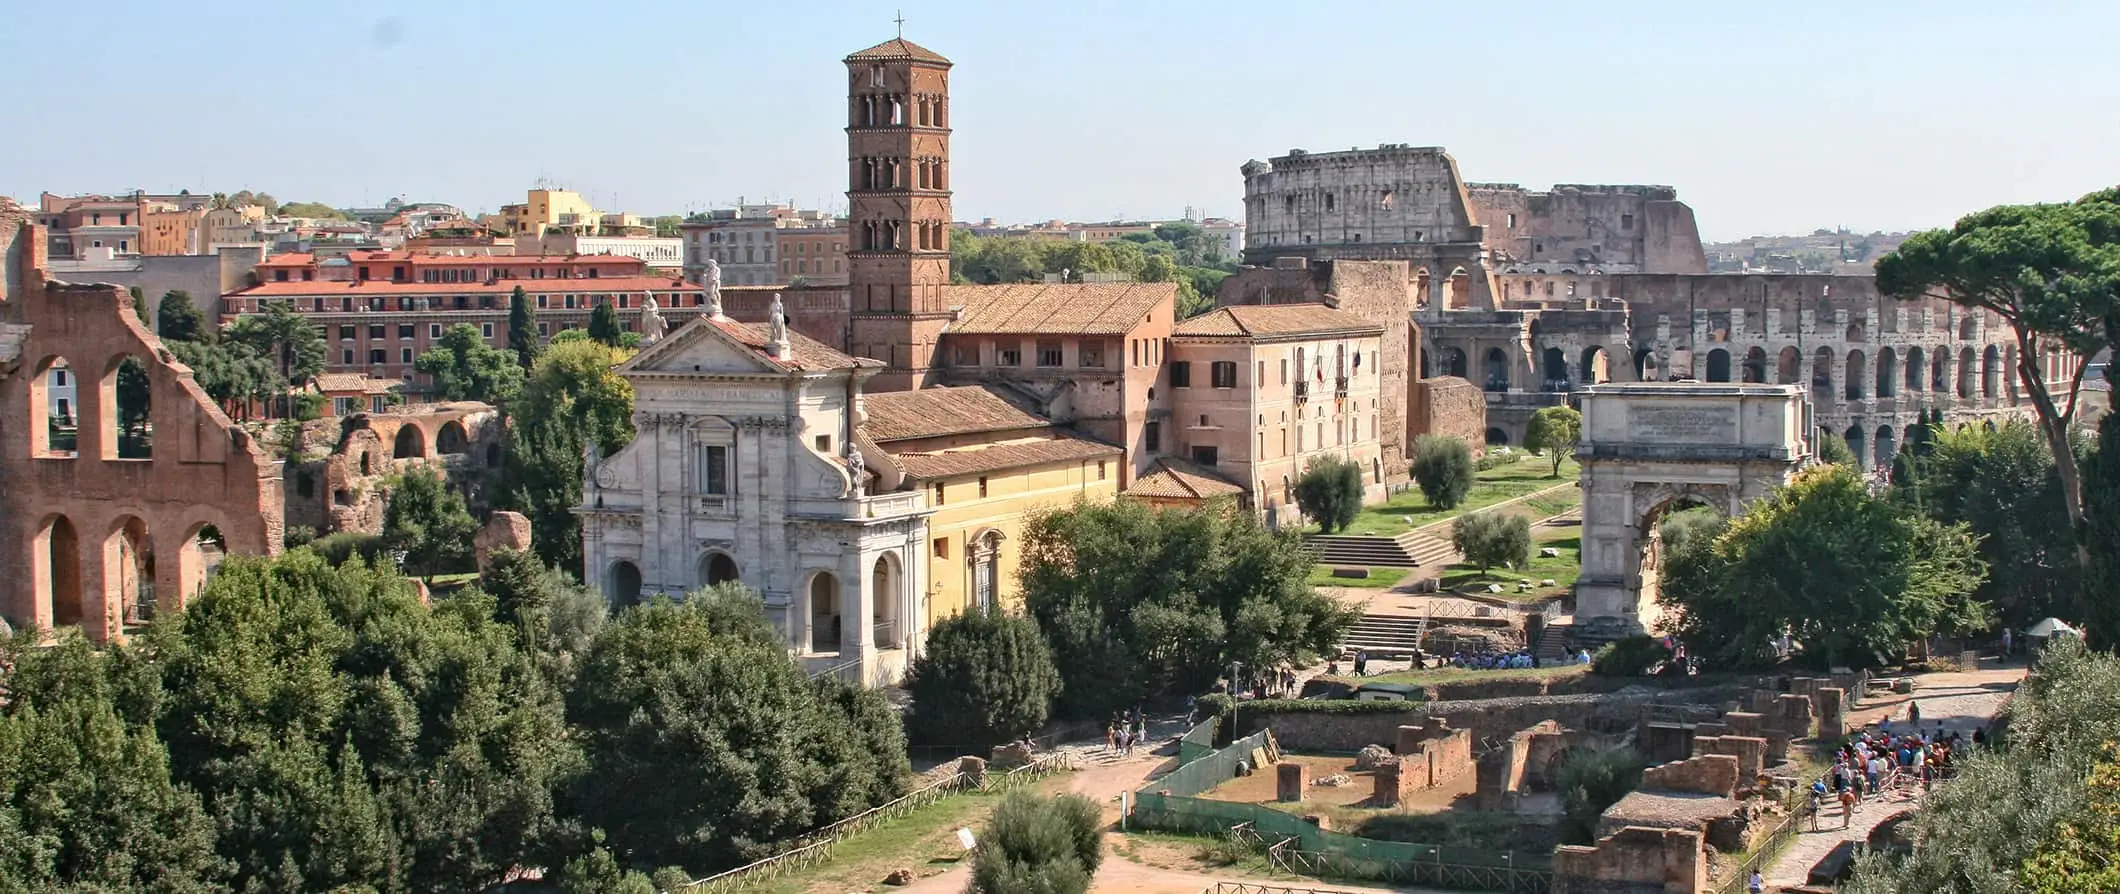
<point x="88" y="535"/>
<point x="1634" y="860"/>
<point x="344" y="488"/>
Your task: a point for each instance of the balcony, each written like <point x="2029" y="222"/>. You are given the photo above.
<point x="1339" y="388"/>
<point x="890" y="505"/>
<point x="1302" y="392"/>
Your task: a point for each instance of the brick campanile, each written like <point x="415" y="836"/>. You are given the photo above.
<point x="898" y="178"/>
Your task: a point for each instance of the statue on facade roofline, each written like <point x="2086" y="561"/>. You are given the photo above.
<point x="778" y="321"/>
<point x="858" y="468"/>
<point x="652" y="324"/>
<point x="713" y="288"/>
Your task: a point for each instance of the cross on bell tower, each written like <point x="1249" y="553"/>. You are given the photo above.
<point x="898" y="251"/>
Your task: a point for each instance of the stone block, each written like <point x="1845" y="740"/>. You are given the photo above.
<point x="1710" y="730"/>
<point x="1744" y="723"/>
<point x="972" y="765"/>
<point x="1707" y="774"/>
<point x="1777" y="746"/>
<point x="1751" y="754"/>
<point x="1793" y="715"/>
<point x="1011" y="756"/>
<point x="1969" y="660"/>
<point x="1408" y="740"/>
<point x="1290" y="779"/>
<point x="1832" y="718"/>
<point x="504" y="530"/>
<point x="1762" y="700"/>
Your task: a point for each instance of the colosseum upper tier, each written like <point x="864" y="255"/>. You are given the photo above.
<point x="1530" y="295"/>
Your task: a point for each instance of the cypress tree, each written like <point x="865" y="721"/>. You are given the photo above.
<point x="522" y="329"/>
<point x="603" y="324"/>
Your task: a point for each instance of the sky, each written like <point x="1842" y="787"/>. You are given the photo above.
<point x="1767" y="117"/>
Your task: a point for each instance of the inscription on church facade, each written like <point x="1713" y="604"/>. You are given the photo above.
<point x="1682" y="424"/>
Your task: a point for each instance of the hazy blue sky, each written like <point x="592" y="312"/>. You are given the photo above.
<point x="1767" y="117"/>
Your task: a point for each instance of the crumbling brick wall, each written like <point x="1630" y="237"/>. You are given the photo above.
<point x="1634" y="860"/>
<point x="1448" y="406"/>
<point x="1707" y="774"/>
<point x="1510" y="769"/>
<point x="81" y="530"/>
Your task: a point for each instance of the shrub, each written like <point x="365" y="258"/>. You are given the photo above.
<point x="1629" y="657"/>
<point x="1591" y="780"/>
<point x="1497" y="458"/>
<point x="344" y="545"/>
<point x="986" y="678"/>
<point x="1834" y="450"/>
<point x="1330" y="492"/>
<point x="1493" y="538"/>
<point x="1038" y="844"/>
<point x="1442" y="466"/>
<point x="1554" y="431"/>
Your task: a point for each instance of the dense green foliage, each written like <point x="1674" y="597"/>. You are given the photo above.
<point x="464" y="366"/>
<point x="1179" y="252"/>
<point x="1851" y="576"/>
<point x="1490" y="539"/>
<point x="1630" y="656"/>
<point x="1330" y="491"/>
<point x="707" y="746"/>
<point x="2002" y="485"/>
<point x="2034" y="815"/>
<point x="1034" y="844"/>
<point x="1442" y="467"/>
<point x="2101" y="533"/>
<point x="178" y="319"/>
<point x="1834" y="450"/>
<point x="986" y="678"/>
<point x="425" y="521"/>
<point x="571" y="401"/>
<point x="522" y="330"/>
<point x="1590" y="780"/>
<point x="1136" y="602"/>
<point x="603" y="324"/>
<point x="1554" y="431"/>
<point x="288" y="341"/>
<point x="317" y="210"/>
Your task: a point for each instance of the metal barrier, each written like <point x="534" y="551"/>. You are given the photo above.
<point x="812" y="848"/>
<point x="1250" y="888"/>
<point x="1197" y="742"/>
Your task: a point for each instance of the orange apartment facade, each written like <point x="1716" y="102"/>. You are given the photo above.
<point x="380" y="310"/>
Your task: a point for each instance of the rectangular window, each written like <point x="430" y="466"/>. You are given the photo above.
<point x="1260" y="374"/>
<point x="824" y="444"/>
<point x="485" y="329"/>
<point x="342" y="406"/>
<point x="982" y="487"/>
<point x="1181" y="374"/>
<point x="1284" y="370"/>
<point x="1090" y="356"/>
<point x="404" y="330"/>
<point x="714" y="469"/>
<point x="1152" y="436"/>
<point x="404" y="355"/>
<point x="434" y="330"/>
<point x="376" y="403"/>
<point x="347" y="333"/>
<point x="375" y="333"/>
<point x="1224" y="373"/>
<point x="1011" y="357"/>
<point x="1626" y="221"/>
<point x="1048" y="355"/>
<point x="377" y="356"/>
<point x="540" y="301"/>
<point x="938" y="493"/>
<point x="346" y="357"/>
<point x="1100" y="470"/>
<point x="942" y="547"/>
<point x="1204" y="454"/>
<point x="543" y="329"/>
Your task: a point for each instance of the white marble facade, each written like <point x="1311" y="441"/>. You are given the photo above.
<point x="742" y="469"/>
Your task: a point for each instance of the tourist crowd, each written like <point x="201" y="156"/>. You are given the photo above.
<point x="1875" y="760"/>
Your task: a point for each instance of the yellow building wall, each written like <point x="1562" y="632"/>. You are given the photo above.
<point x="1011" y="496"/>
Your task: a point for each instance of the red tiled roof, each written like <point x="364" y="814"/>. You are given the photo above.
<point x="1066" y="447"/>
<point x="290" y="259"/>
<point x="809" y="354"/>
<point x="1179" y="480"/>
<point x="933" y="412"/>
<point x="1255" y="320"/>
<point x="898" y="48"/>
<point x="1057" y="308"/>
<point x="332" y="289"/>
<point x="340" y="382"/>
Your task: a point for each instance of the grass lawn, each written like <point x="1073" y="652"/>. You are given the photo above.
<point x="924" y="841"/>
<point x="1529" y="475"/>
<point x="1378" y="579"/>
<point x="1562" y="569"/>
<point x="1464" y="675"/>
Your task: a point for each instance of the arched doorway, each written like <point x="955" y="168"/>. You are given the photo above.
<point x="986" y="569"/>
<point x="1497" y="437"/>
<point x="1672" y="523"/>
<point x="199" y="555"/>
<point x="825" y="624"/>
<point x="56" y="555"/>
<point x="1917" y="369"/>
<point x="1990" y="371"/>
<point x="1755" y="370"/>
<point x="1966" y="370"/>
<point x="1822" y="374"/>
<point x="1556" y="370"/>
<point x="129" y="570"/>
<point x="1887" y="373"/>
<point x="1940" y="371"/>
<point x="451" y="438"/>
<point x="885" y="582"/>
<point x="1495" y="367"/>
<point x="1856" y="443"/>
<point x="1597" y="365"/>
<point x="1718" y="365"/>
<point x="621" y="584"/>
<point x="1858" y="375"/>
<point x="1454" y="363"/>
<point x="717" y="568"/>
<point x="411" y="443"/>
<point x="1642" y="365"/>
<point x="1788" y="367"/>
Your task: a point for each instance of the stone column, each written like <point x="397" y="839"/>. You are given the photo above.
<point x="1832" y="721"/>
<point x="1291" y="778"/>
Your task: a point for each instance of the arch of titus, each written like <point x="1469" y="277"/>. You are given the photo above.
<point x="1650" y="448"/>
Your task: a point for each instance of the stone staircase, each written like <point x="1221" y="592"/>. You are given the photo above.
<point x="1407" y="550"/>
<point x="1553" y="645"/>
<point x="1385" y="636"/>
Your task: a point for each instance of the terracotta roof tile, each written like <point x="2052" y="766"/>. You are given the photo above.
<point x="809" y="354"/>
<point x="325" y="288"/>
<point x="1261" y="320"/>
<point x="898" y="48"/>
<point x="1004" y="455"/>
<point x="340" y="382"/>
<point x="1179" y="480"/>
<point x="1057" y="308"/>
<point x="933" y="412"/>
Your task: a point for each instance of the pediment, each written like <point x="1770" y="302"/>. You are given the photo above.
<point x="697" y="347"/>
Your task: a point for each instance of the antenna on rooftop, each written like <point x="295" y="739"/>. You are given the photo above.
<point x="900" y="20"/>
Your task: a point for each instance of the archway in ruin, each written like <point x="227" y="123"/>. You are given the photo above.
<point x="1649" y="449"/>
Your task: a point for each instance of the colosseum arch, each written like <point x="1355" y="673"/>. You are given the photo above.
<point x="1648" y="448"/>
<point x="1755" y="368"/>
<point x="1788" y="366"/>
<point x="1917" y="369"/>
<point x="1887" y="372"/>
<point x="1597" y="365"/>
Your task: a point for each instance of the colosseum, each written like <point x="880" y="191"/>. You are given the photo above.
<point x="1530" y="295"/>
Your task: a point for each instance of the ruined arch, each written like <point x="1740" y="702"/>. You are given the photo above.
<point x="1454" y="363"/>
<point x="1597" y="365"/>
<point x="54" y="409"/>
<point x="1497" y="437"/>
<point x="127" y="554"/>
<point x="1755" y="368"/>
<point x="1887" y="372"/>
<point x="1966" y="371"/>
<point x="411" y="443"/>
<point x="1718" y="366"/>
<point x="1642" y="364"/>
<point x="199" y="553"/>
<point x="55" y="570"/>
<point x="2009" y="373"/>
<point x="1969" y="327"/>
<point x="125" y="409"/>
<point x="1788" y="367"/>
<point x="717" y="567"/>
<point x="1460" y="289"/>
<point x="1555" y="368"/>
<point x="451" y="438"/>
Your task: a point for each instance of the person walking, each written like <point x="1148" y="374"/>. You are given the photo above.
<point x="1847" y="807"/>
<point x="1758" y="884"/>
<point x="1111" y="737"/>
<point x="1361" y="663"/>
<point x="1914" y="714"/>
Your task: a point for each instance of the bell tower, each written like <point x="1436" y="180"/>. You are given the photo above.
<point x="898" y="195"/>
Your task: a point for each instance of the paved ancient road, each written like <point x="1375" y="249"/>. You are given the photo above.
<point x="1962" y="701"/>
